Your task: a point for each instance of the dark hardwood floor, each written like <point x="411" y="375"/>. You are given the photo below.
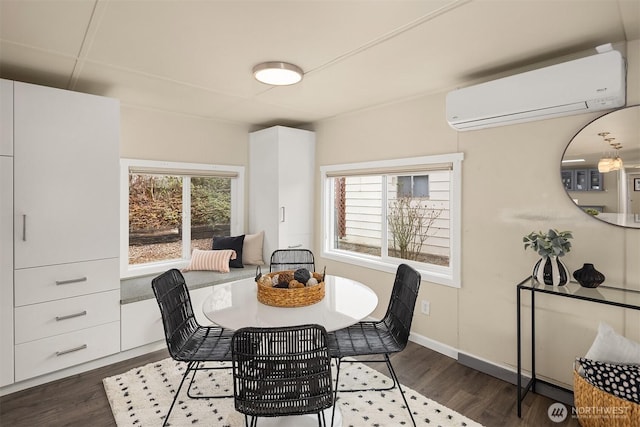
<point x="80" y="400"/>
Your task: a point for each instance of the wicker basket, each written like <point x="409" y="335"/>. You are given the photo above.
<point x="597" y="408"/>
<point x="283" y="297"/>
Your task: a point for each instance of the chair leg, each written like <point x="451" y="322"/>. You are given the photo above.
<point x="252" y="423"/>
<point x="322" y="421"/>
<point x="397" y="381"/>
<point x="394" y="378"/>
<point x="335" y="393"/>
<point x="199" y="368"/>
<point x="175" y="397"/>
<point x="391" y="387"/>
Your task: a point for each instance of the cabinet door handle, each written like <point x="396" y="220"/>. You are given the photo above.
<point x="66" y="282"/>
<point x="282" y="214"/>
<point x="71" y="350"/>
<point x="24" y="228"/>
<point x="294" y="246"/>
<point x="71" y="316"/>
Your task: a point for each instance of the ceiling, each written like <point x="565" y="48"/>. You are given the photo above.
<point x="196" y="57"/>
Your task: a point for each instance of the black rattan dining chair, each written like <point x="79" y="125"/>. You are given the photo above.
<point x="281" y="372"/>
<point x="384" y="337"/>
<point x="292" y="259"/>
<point x="187" y="340"/>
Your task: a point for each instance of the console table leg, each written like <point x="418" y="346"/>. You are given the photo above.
<point x="533" y="341"/>
<point x="519" y="341"/>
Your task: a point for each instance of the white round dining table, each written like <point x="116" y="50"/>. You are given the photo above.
<point x="235" y="305"/>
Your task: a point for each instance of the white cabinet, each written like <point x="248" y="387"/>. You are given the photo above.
<point x="6" y="232"/>
<point x="281" y="187"/>
<point x="6" y="120"/>
<point x="142" y="322"/>
<point x="62" y="292"/>
<point x="6" y="269"/>
<point x="66" y="169"/>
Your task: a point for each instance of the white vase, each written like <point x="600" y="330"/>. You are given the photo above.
<point x="551" y="271"/>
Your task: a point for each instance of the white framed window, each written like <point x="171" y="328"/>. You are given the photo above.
<point x="383" y="213"/>
<point x="167" y="209"/>
<point x="413" y="186"/>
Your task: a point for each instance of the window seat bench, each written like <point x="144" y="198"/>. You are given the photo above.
<point x="136" y="289"/>
<point x="140" y="320"/>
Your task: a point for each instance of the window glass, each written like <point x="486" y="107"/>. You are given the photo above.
<point x="417" y="227"/>
<point x="210" y="210"/>
<point x="155" y="218"/>
<point x="379" y="218"/>
<point x="421" y="186"/>
<point x="359" y="214"/>
<point x="404" y="186"/>
<point x="169" y="209"/>
<point x="413" y="186"/>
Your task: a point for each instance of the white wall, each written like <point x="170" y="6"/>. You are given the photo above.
<point x="511" y="186"/>
<point x="154" y="135"/>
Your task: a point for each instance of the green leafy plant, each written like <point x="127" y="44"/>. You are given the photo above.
<point x="552" y="243"/>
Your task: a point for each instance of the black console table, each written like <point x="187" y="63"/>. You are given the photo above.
<point x="625" y="298"/>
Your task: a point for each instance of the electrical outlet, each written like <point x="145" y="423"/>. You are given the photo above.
<point x="426" y="307"/>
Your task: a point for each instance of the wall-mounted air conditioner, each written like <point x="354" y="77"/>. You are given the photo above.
<point x="588" y="84"/>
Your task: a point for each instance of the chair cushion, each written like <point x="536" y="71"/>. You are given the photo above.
<point x="619" y="380"/>
<point x="231" y="242"/>
<point x="217" y="260"/>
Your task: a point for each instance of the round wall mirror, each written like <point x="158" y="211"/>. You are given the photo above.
<point x="601" y="168"/>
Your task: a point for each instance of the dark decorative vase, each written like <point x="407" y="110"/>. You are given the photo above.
<point x="551" y="271"/>
<point x="588" y="276"/>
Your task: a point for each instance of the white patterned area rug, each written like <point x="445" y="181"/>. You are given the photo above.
<point x="141" y="398"/>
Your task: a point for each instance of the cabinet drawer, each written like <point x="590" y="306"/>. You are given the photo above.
<point x="62" y="351"/>
<point x="295" y="241"/>
<point x="58" y="317"/>
<point x="40" y="284"/>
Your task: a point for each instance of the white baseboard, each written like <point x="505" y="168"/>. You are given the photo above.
<point x="434" y="345"/>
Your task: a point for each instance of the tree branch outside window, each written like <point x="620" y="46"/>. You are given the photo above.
<point x="409" y="224"/>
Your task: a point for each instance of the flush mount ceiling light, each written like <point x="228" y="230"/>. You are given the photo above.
<point x="277" y="73"/>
